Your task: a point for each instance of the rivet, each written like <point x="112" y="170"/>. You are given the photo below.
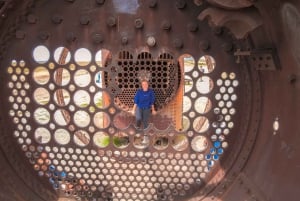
<point x="292" y="78"/>
<point x="227" y="47"/>
<point x="20" y="34"/>
<point x="124" y="40"/>
<point x="111" y="21"/>
<point x="138" y="23"/>
<point x="100" y="2"/>
<point x="97" y="38"/>
<point x="90" y="194"/>
<point x="44" y="35"/>
<point x="180" y="4"/>
<point x="71" y="37"/>
<point x="166" y="25"/>
<point x="57" y="19"/>
<point x="192" y="27"/>
<point x="84" y="20"/>
<point x="204" y="45"/>
<point x="151" y="41"/>
<point x="31" y="19"/>
<point x="218" y="30"/>
<point x="152" y="3"/>
<point x="178" y="43"/>
<point x="198" y="2"/>
<point x="56" y="186"/>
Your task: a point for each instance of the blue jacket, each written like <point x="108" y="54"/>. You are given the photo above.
<point x="144" y="99"/>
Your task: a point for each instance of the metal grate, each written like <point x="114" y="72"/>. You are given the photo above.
<point x="164" y="77"/>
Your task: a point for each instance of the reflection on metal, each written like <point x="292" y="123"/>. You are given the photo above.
<point x="275" y="125"/>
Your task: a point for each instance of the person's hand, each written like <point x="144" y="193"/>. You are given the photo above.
<point x="132" y="112"/>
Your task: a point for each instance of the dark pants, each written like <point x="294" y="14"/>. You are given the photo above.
<point x="142" y="116"/>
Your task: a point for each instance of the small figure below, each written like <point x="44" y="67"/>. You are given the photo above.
<point x="143" y="105"/>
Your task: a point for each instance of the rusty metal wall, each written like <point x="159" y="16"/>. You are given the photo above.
<point x="152" y="36"/>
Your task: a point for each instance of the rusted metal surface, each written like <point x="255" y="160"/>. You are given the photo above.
<point x="173" y="130"/>
<point x="136" y="36"/>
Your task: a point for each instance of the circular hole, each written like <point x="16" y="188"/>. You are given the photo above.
<point x="102" y="57"/>
<point x="235" y="83"/>
<point x="62" y="117"/>
<point x="41" y="116"/>
<point x="121" y="140"/>
<point x="160" y="142"/>
<point x="203" y="105"/>
<point x="61" y="76"/>
<point x="199" y="143"/>
<point x="187" y="103"/>
<point x="82" y="57"/>
<point x="230" y="90"/>
<point x="42" y="135"/>
<point x="188" y="62"/>
<point x="180" y="142"/>
<point x="62" y="55"/>
<point x="41" y="75"/>
<point x="98" y="79"/>
<point x="41" y="96"/>
<point x="233" y="97"/>
<point x="81" y="98"/>
<point x="62" y="136"/>
<point x="81" y="138"/>
<point x="141" y="141"/>
<point x="101" y="139"/>
<point x="81" y="118"/>
<point x="232" y="75"/>
<point x="224" y="75"/>
<point x="188" y="83"/>
<point x="61" y="97"/>
<point x="101" y="120"/>
<point x="204" y="85"/>
<point x="122" y="120"/>
<point x="227" y="83"/>
<point x="201" y="124"/>
<point x="206" y="64"/>
<point x="219" y="82"/>
<point x="41" y="54"/>
<point x="82" y="78"/>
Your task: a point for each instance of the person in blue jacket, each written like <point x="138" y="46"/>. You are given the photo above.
<point x="143" y="104"/>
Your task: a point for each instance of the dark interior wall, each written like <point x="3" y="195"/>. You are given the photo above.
<point x="272" y="172"/>
<point x="17" y="181"/>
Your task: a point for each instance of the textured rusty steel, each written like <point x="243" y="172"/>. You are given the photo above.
<point x="151" y="36"/>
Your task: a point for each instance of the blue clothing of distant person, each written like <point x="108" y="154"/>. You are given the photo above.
<point x="144" y="100"/>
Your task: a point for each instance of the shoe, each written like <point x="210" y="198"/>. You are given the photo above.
<point x="145" y="139"/>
